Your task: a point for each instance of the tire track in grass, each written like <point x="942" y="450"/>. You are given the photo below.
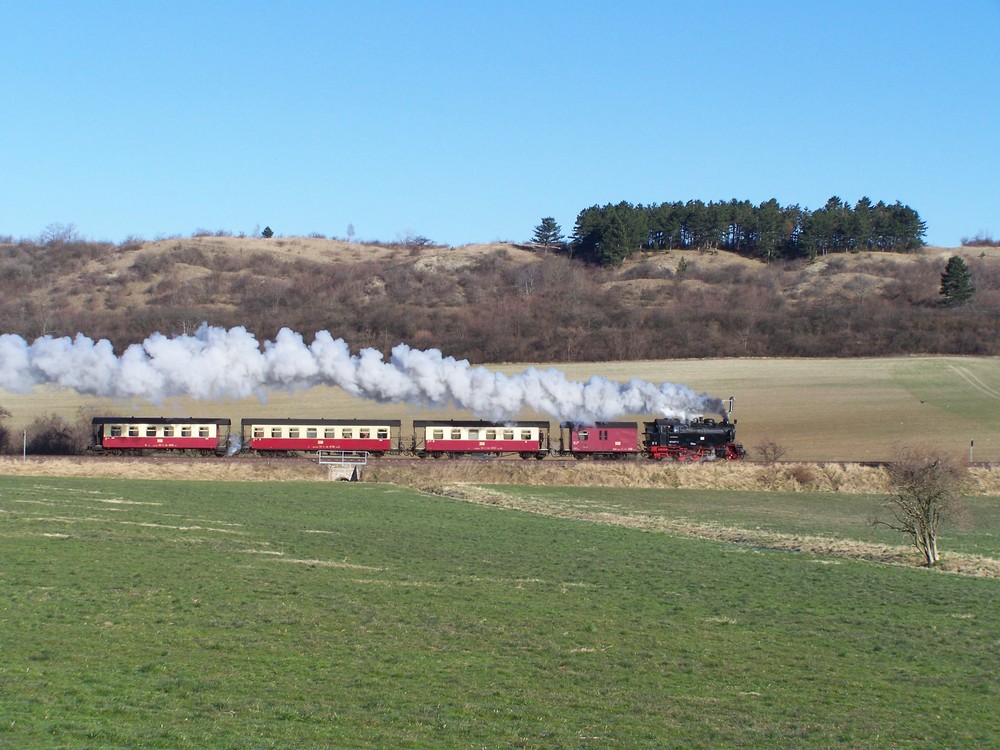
<point x="757" y="539"/>
<point x="975" y="382"/>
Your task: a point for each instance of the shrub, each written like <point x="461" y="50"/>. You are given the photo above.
<point x="803" y="474"/>
<point x="4" y="431"/>
<point x="925" y="488"/>
<point x="54" y="436"/>
<point x="982" y="239"/>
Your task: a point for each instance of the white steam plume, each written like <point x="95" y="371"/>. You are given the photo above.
<point x="216" y="363"/>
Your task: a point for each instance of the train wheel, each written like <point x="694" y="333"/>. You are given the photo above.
<point x="539" y="456"/>
<point x="579" y="456"/>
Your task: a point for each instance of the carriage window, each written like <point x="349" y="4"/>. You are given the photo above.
<point x="150" y="431"/>
<point x="116" y="430"/>
<point x="525" y="434"/>
<point x="329" y="432"/>
<point x="456" y="433"/>
<point x="508" y="434"/>
<point x="348" y="433"/>
<point x="383" y="433"/>
<point x="491" y="434"/>
<point x="293" y="432"/>
<point x="312" y="432"/>
<point x="583" y="435"/>
<point x="473" y="434"/>
<point x="168" y="430"/>
<point x="133" y="430"/>
<point x="437" y="434"/>
<point x="258" y="431"/>
<point x="276" y="432"/>
<point x="204" y="431"/>
<point x="364" y="433"/>
<point x="186" y="430"/>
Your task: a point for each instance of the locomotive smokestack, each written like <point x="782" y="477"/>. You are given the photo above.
<point x="727" y="411"/>
<point x="216" y="363"/>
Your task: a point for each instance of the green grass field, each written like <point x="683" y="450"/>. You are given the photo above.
<point x="819" y="409"/>
<point x="278" y="615"/>
<point x="834" y="516"/>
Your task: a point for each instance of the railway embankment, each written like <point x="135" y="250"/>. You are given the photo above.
<point x="745" y="476"/>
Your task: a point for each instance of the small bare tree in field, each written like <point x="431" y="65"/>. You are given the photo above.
<point x="770" y="451"/>
<point x="925" y="487"/>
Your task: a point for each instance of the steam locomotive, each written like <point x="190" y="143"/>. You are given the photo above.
<point x="680" y="440"/>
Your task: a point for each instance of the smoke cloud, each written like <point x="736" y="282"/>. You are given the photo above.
<point x="218" y="363"/>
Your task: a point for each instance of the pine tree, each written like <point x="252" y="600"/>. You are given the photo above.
<point x="548" y="233"/>
<point x="614" y="242"/>
<point x="956" y="283"/>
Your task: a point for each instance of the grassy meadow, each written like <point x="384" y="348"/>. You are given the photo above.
<point x="818" y="409"/>
<point x="166" y="614"/>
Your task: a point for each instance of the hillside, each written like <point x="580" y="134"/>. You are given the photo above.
<point x="502" y="302"/>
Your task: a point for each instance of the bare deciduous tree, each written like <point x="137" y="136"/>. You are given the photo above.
<point x="770" y="451"/>
<point x="59" y="234"/>
<point x="925" y="487"/>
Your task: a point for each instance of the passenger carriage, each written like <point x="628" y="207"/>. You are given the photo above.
<point x="143" y="435"/>
<point x="457" y="438"/>
<point x="377" y="436"/>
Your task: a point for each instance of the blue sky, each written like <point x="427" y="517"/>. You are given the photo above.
<point x="469" y="121"/>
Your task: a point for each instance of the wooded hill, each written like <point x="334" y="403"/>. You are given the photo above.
<point x="504" y="302"/>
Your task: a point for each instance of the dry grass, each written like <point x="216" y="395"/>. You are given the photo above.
<point x="431" y="475"/>
<point x="741" y="477"/>
<point x="316" y="250"/>
<point x="284" y="470"/>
